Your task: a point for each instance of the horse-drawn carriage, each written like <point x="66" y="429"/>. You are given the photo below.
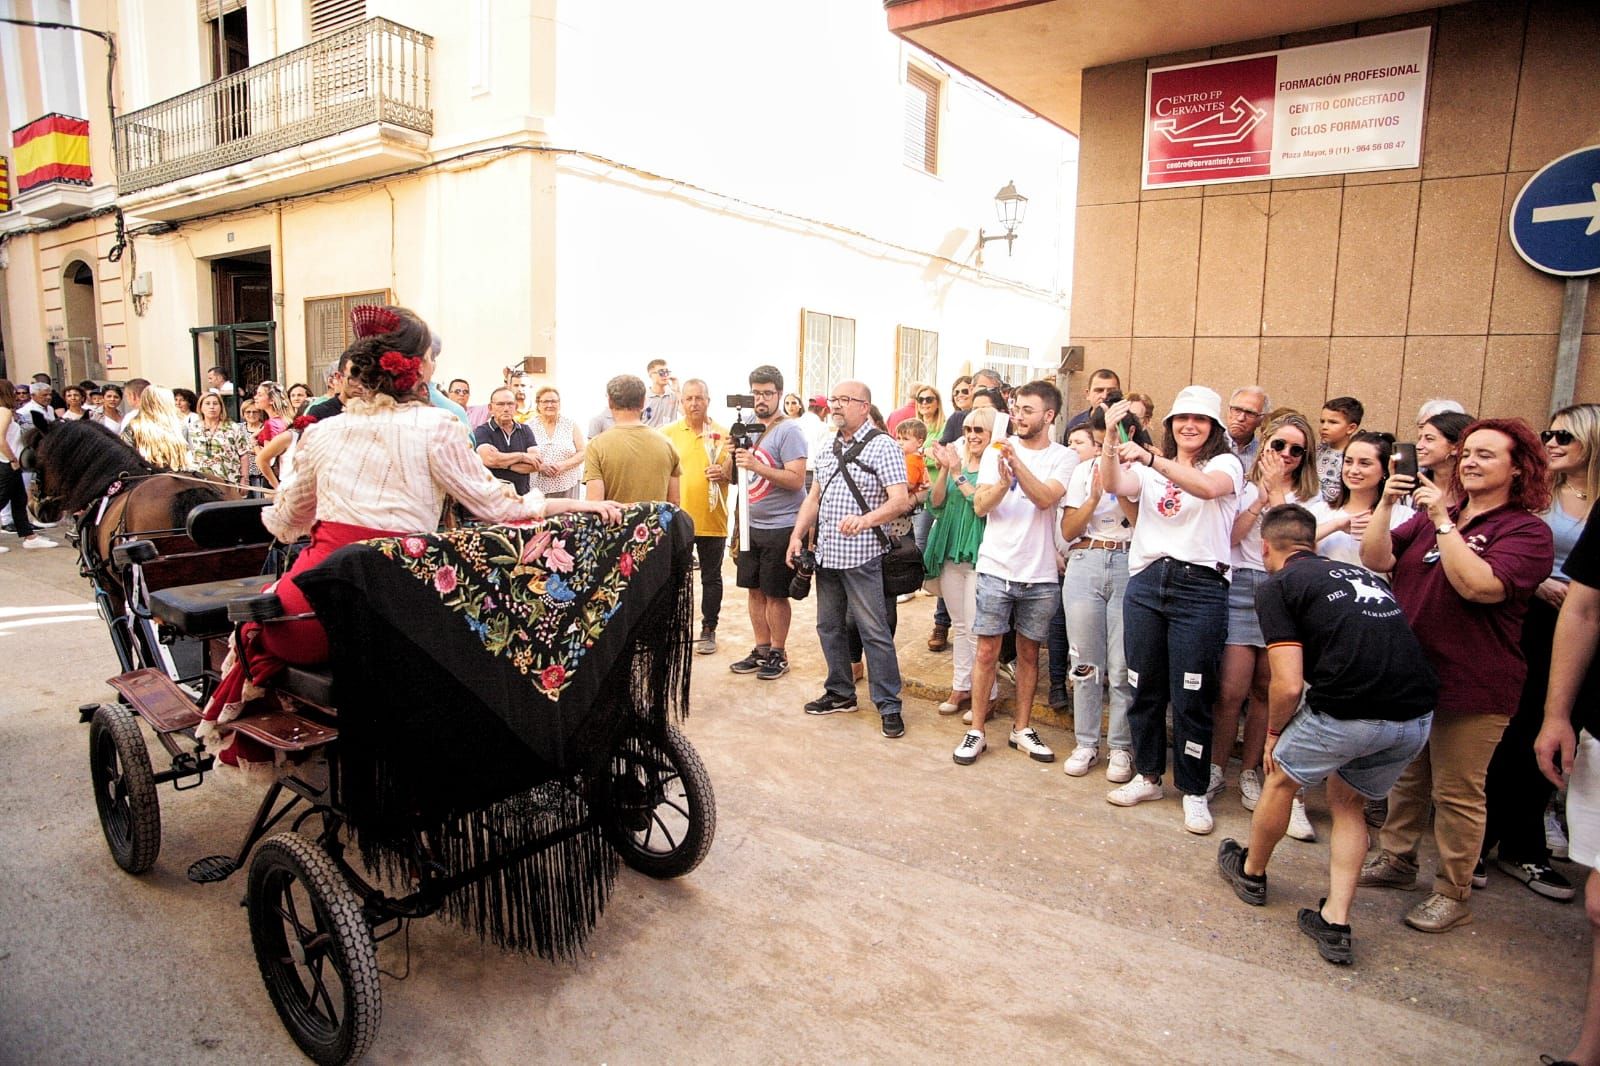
<point x="492" y="734"/>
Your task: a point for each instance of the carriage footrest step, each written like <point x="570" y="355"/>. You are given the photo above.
<point x="157" y="699"/>
<point x="212" y="868"/>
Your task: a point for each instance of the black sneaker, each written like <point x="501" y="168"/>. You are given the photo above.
<point x="1540" y="878"/>
<point x="1333" y="941"/>
<point x="775" y="666"/>
<point x="752" y="662"/>
<point x="1058" y="696"/>
<point x="1230" y="861"/>
<point x="894" y="726"/>
<point x="828" y="703"/>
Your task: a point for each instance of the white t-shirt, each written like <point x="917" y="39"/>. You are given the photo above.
<point x="1174" y="524"/>
<point x="1341" y="546"/>
<point x="1108" y="522"/>
<point x="1018" y="539"/>
<point x="1247" y="553"/>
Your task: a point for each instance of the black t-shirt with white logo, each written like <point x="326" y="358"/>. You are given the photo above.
<point x="1361" y="658"/>
<point x="1583" y="566"/>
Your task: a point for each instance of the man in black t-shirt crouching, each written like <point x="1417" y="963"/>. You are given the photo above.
<point x="1335" y="628"/>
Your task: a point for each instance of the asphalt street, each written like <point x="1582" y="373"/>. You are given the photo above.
<point x="866" y="900"/>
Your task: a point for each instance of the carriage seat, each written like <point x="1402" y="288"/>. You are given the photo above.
<point x="202" y="610"/>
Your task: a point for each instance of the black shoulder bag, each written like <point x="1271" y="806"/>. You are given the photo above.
<point x="902" y="561"/>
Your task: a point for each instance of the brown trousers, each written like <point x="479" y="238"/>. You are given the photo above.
<point x="1450" y="773"/>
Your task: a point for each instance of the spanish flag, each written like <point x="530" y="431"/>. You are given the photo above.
<point x="52" y="148"/>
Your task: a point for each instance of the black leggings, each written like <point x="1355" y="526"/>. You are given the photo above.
<point x="1516" y="791"/>
<point x="14" y="492"/>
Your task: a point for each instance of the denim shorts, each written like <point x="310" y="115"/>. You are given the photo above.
<point x="1035" y="604"/>
<point x="1243" y="625"/>
<point x="1369" y="754"/>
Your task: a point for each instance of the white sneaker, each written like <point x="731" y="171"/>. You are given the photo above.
<point x="1554" y="837"/>
<point x="1135" y="792"/>
<point x="1300" y="826"/>
<point x="972" y="745"/>
<point x="1249" y="788"/>
<point x="1215" y="784"/>
<point x="966" y="716"/>
<point x="3" y="549"/>
<point x="1119" y="768"/>
<point x="1080" y="760"/>
<point x="1027" y="740"/>
<point x="36" y="542"/>
<point x="1197" y="815"/>
<point x="905" y="597"/>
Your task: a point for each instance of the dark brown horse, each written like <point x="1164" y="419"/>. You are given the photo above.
<point x="84" y="471"/>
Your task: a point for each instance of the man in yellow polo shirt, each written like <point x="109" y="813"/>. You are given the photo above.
<point x="702" y="448"/>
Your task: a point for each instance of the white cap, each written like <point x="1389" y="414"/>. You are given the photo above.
<point x="1197" y="400"/>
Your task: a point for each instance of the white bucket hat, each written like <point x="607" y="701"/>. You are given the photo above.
<point x="1196" y="400"/>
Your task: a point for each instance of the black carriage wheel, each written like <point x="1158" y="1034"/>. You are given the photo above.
<point x="663" y="813"/>
<point x="124" y="788"/>
<point x="315" y="949"/>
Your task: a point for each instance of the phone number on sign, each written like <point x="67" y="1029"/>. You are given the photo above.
<point x="1375" y="146"/>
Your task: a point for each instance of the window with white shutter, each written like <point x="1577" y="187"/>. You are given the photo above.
<point x="1010" y="361"/>
<point x="328" y="331"/>
<point x="921" y="131"/>
<point x="827" y="351"/>
<point x="918" y="362"/>
<point x="331" y="16"/>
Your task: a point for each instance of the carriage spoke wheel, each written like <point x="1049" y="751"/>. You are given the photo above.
<point x="315" y="949"/>
<point x="663" y="814"/>
<point x="124" y="788"/>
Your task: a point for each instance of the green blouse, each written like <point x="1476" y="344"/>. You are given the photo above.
<point x="956" y="534"/>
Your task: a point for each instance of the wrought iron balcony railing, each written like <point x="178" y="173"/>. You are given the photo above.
<point x="376" y="71"/>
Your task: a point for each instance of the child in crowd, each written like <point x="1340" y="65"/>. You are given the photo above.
<point x="1341" y="420"/>
<point x="912" y="434"/>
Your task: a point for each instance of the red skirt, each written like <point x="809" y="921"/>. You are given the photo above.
<point x="268" y="648"/>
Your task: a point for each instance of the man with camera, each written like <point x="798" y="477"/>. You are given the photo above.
<point x="772" y="459"/>
<point x="860" y="485"/>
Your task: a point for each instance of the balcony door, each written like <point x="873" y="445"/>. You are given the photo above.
<point x="229" y="35"/>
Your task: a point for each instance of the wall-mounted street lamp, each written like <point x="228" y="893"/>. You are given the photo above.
<point x="1009" y="207"/>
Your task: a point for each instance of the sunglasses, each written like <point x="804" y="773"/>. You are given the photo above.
<point x="1562" y="437"/>
<point x="962" y="391"/>
<point x="927" y="399"/>
<point x="1295" y="451"/>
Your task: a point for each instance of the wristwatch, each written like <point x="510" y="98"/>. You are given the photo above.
<point x="1448" y="527"/>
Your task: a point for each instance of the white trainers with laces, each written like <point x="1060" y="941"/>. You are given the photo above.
<point x="36" y="542"/>
<point x="1300" y="826"/>
<point x="1249" y="788"/>
<point x="1135" y="792"/>
<point x="1027" y="740"/>
<point x="972" y="745"/>
<point x="1215" y="785"/>
<point x="1197" y="815"/>
<point x="1080" y="760"/>
<point x="1119" y="768"/>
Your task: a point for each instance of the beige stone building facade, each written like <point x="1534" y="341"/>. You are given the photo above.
<point x="1393" y="286"/>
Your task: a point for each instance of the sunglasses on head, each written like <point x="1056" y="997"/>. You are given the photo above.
<point x="1562" y="437"/>
<point x="1295" y="451"/>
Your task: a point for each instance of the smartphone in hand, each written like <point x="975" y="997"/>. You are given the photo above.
<point x="1405" y="459"/>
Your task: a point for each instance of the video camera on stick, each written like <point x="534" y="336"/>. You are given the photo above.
<point x="743" y="434"/>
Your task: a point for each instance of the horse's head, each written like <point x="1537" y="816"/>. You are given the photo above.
<point x="46" y="502"/>
<point x="73" y="463"/>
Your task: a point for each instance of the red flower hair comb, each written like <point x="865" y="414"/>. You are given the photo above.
<point x="369" y="320"/>
<point x="404" y="369"/>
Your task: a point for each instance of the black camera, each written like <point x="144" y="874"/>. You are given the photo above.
<point x="742" y="433"/>
<point x="805" y="566"/>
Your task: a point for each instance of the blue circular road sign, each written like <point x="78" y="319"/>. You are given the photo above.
<point x="1555" y="221"/>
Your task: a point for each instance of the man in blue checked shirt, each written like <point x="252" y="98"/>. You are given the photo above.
<point x="850" y="553"/>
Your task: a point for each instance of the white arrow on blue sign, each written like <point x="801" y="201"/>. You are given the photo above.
<point x="1555" y="221"/>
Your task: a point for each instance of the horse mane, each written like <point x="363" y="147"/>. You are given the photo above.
<point x="86" y="458"/>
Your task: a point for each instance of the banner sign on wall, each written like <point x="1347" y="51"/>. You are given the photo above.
<point x="1332" y="108"/>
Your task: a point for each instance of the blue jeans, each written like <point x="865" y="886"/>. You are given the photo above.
<point x="1174" y="622"/>
<point x="857" y="595"/>
<point x="1093" y="590"/>
<point x="921" y="523"/>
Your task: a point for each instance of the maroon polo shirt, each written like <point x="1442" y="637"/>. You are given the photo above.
<point x="1476" y="648"/>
